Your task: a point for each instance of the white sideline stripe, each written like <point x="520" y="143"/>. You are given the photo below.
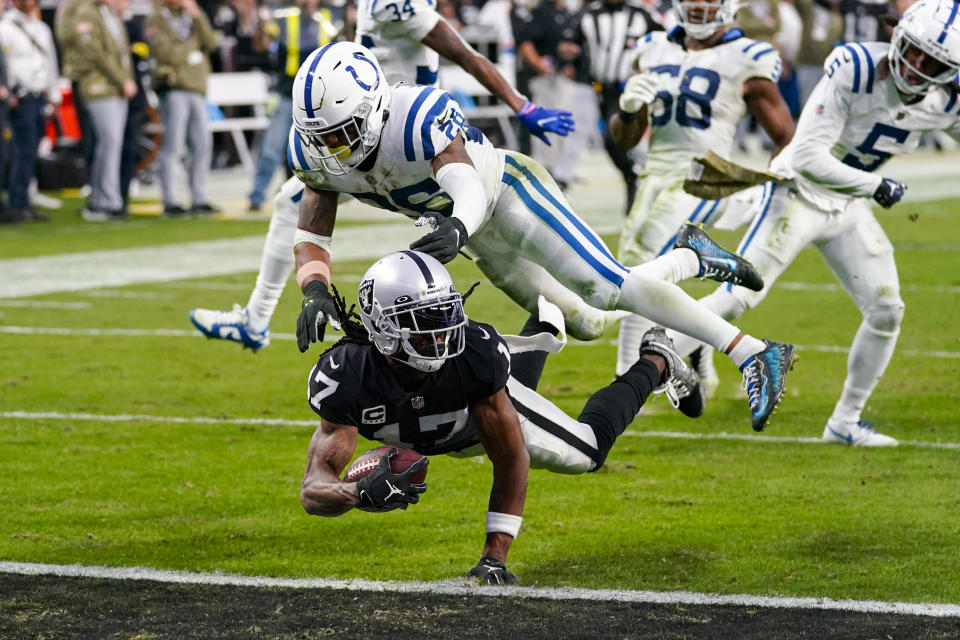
<point x="187" y="333"/>
<point x="282" y="422"/>
<point x="465" y="588"/>
<point x="133" y="417"/>
<point x="44" y="304"/>
<point x="832" y="286"/>
<point x="122" y="267"/>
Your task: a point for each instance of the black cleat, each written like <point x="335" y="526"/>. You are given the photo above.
<point x="716" y="262"/>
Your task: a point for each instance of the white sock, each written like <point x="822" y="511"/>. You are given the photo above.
<point x="632" y="329"/>
<point x="668" y="305"/>
<point x="747" y="347"/>
<point x="673" y="266"/>
<point x="869" y="356"/>
<point x="276" y="265"/>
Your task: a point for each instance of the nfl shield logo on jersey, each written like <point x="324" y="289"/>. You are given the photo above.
<point x="417" y="402"/>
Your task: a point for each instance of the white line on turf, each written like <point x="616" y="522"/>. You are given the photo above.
<point x="187" y="333"/>
<point x="44" y="304"/>
<point x="462" y="587"/>
<point x="281" y="422"/>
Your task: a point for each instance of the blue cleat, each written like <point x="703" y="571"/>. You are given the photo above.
<point x="716" y="262"/>
<point x="763" y="376"/>
<point x="230" y="325"/>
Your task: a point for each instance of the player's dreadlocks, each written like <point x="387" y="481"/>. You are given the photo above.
<point x="352" y="325"/>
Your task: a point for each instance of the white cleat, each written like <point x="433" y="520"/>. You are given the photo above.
<point x="857" y="434"/>
<point x="230" y="325"/>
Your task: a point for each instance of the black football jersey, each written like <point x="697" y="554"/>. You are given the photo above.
<point x="353" y="384"/>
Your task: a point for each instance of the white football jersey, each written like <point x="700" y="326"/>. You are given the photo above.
<point x="422" y="122"/>
<point x="853" y="122"/>
<point x="700" y="101"/>
<point x="393" y="30"/>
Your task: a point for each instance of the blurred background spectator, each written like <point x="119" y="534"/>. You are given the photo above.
<point x="822" y="29"/>
<point x="137" y="105"/>
<point x="6" y="217"/>
<point x="541" y="75"/>
<point x="182" y="39"/>
<point x="292" y="34"/>
<point x="32" y="81"/>
<point x="101" y="62"/>
<point x="606" y="32"/>
<point x="862" y="19"/>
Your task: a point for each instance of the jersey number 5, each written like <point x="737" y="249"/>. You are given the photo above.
<point x="867" y="148"/>
<point x="700" y="98"/>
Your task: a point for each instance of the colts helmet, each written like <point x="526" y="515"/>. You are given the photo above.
<point x="696" y="20"/>
<point x="340" y="100"/>
<point x="412" y="311"/>
<point x="933" y="26"/>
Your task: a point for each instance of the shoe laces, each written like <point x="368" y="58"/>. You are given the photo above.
<point x="752" y="382"/>
<point x="237" y="315"/>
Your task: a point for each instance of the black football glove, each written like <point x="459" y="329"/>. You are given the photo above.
<point x="317" y="310"/>
<point x="444" y="241"/>
<point x="384" y="490"/>
<point x="493" y="571"/>
<point x="889" y="193"/>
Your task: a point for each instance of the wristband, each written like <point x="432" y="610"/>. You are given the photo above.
<point x="626" y="117"/>
<point x="324" y="242"/>
<point x="503" y="523"/>
<point x="313" y="268"/>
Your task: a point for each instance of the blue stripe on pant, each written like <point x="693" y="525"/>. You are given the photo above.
<point x="556" y="224"/>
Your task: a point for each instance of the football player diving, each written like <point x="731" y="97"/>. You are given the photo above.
<point x="418" y="373"/>
<point x="408" y="149"/>
<point x="874" y="101"/>
<point x="695" y="84"/>
<point x="406" y="38"/>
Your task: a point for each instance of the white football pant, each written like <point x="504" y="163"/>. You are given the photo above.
<point x="858" y="252"/>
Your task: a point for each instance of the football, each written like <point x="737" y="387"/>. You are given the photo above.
<point x="399" y="463"/>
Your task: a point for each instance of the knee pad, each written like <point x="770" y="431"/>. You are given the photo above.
<point x="884" y="319"/>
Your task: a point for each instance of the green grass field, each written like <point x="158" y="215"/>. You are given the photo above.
<point x="754" y="516"/>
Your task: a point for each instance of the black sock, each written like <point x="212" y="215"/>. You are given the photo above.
<point x="611" y="409"/>
<point x="526" y="368"/>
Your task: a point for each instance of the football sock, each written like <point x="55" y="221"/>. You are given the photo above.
<point x="612" y="408"/>
<point x="746" y="347"/>
<point x="869" y="356"/>
<point x="723" y="303"/>
<point x="276" y="265"/>
<point x="632" y="329"/>
<point x="527" y="367"/>
<point x="669" y="306"/>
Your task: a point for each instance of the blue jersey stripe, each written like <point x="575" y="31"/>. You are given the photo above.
<point x="768" y="189"/>
<point x="763" y="52"/>
<point x="673" y="238"/>
<point x="949" y="23"/>
<point x="308" y="83"/>
<point x="856" y="67"/>
<point x="408" y="151"/>
<point x="869" y="61"/>
<point x="435" y="112"/>
<point x="298" y="196"/>
<point x="589" y="233"/>
<point x="751" y="45"/>
<point x="298" y="149"/>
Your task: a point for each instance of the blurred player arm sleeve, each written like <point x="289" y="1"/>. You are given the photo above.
<point x="818" y="130"/>
<point x="322" y="493"/>
<point x="458" y="177"/>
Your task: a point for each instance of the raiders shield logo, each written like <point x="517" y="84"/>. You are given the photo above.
<point x="365" y="296"/>
<point x="417" y="402"/>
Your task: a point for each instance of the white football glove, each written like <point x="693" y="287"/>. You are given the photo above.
<point x="640" y="89"/>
